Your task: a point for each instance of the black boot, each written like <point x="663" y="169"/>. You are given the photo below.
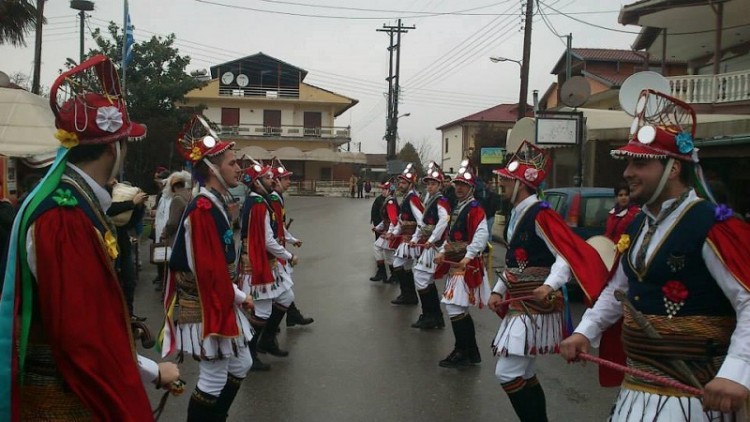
<point x="258" y="365"/>
<point x="523" y="403"/>
<point x="459" y="357"/>
<point x="295" y="317"/>
<point x="408" y="294"/>
<point x="393" y="279"/>
<point x="202" y="407"/>
<point x="228" y="393"/>
<point x="429" y="318"/>
<point x="471" y="342"/>
<point x="380" y="275"/>
<point x="267" y="342"/>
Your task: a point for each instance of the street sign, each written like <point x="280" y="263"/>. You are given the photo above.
<point x="491" y="155"/>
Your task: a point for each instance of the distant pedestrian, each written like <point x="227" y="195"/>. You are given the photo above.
<point x="621" y="214"/>
<point x="360" y="187"/>
<point x="368" y="188"/>
<point x="449" y="191"/>
<point x="377" y="205"/>
<point x="353" y="185"/>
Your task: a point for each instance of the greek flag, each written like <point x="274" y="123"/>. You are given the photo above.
<point x="129" y="41"/>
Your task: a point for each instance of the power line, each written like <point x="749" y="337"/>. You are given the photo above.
<point x="358" y="9"/>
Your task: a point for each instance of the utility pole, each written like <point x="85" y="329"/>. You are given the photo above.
<point x="38" y="47"/>
<point x="568" y="58"/>
<point x="82" y="6"/>
<point x="391" y="121"/>
<point x="526" y="58"/>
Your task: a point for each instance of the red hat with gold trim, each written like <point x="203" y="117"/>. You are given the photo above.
<point x="466" y="173"/>
<point x="529" y="165"/>
<point x="434" y="172"/>
<point x="409" y="174"/>
<point x="199" y="140"/>
<point x="664" y="127"/>
<point x="89" y="107"/>
<point x="278" y="169"/>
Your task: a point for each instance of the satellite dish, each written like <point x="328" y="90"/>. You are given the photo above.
<point x="630" y="92"/>
<point x="575" y="91"/>
<point x="523" y="130"/>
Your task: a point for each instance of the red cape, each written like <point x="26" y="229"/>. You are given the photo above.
<point x="256" y="244"/>
<point x="730" y="241"/>
<point x="84" y="317"/>
<point x="211" y="275"/>
<point x="585" y="263"/>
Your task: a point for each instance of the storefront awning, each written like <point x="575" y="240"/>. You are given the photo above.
<point x="27" y="125"/>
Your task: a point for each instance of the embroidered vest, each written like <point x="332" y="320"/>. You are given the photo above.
<point x="430" y="216"/>
<point x="678" y="258"/>
<point x="459" y="228"/>
<point x="405" y="213"/>
<point x="525" y="237"/>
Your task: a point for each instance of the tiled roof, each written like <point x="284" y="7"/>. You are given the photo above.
<point x="614" y="79"/>
<point x="502" y="113"/>
<point x="609" y="55"/>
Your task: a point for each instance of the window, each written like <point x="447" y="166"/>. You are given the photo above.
<point x="312" y="121"/>
<point x="446" y="145"/>
<point x="272" y="122"/>
<point x="230" y="120"/>
<point x="596" y="211"/>
<point x="325" y="173"/>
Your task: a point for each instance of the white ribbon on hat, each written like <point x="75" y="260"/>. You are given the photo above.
<point x="109" y="119"/>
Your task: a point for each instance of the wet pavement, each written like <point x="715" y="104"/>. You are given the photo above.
<point x="360" y="360"/>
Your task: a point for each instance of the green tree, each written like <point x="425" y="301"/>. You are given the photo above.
<point x="156" y="81"/>
<point x="409" y="154"/>
<point x="17" y="20"/>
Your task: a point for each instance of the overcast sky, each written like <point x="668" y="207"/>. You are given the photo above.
<point x="445" y="66"/>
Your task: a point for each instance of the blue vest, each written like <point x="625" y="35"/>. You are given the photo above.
<point x="525" y="237"/>
<point x="178" y="260"/>
<point x="405" y="212"/>
<point x="677" y="258"/>
<point x="430" y="216"/>
<point x="459" y="229"/>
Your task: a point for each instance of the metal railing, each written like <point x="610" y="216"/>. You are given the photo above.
<point x="707" y="89"/>
<point x="260" y="91"/>
<point x="286" y="131"/>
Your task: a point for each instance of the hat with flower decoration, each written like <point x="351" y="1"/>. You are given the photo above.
<point x="409" y="174"/>
<point x="278" y="169"/>
<point x="466" y="173"/>
<point x="198" y="140"/>
<point x="529" y="165"/>
<point x="255" y="171"/>
<point x="434" y="172"/>
<point x="89" y="107"/>
<point x="663" y="127"/>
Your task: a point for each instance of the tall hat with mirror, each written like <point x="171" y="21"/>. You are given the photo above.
<point x="278" y="169"/>
<point x="434" y="172"/>
<point x="198" y="141"/>
<point x="467" y="173"/>
<point x="663" y="128"/>
<point x="409" y="174"/>
<point x="528" y="165"/>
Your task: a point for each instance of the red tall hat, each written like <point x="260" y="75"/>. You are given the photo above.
<point x="529" y="165"/>
<point x="255" y="171"/>
<point x="409" y="174"/>
<point x="278" y="169"/>
<point x="198" y="140"/>
<point x="663" y="127"/>
<point x="434" y="172"/>
<point x="89" y="107"/>
<point x="466" y="173"/>
<point x="388" y="184"/>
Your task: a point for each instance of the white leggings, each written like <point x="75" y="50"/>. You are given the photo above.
<point x="213" y="373"/>
<point x="455" y="310"/>
<point x="511" y="367"/>
<point x="263" y="307"/>
<point x="382" y="254"/>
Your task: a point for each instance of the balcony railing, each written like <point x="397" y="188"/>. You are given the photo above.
<point x="287" y="131"/>
<point x="260" y="91"/>
<point x="707" y="89"/>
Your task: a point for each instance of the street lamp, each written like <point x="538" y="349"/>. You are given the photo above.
<point x="505" y="59"/>
<point x="404" y="115"/>
<point x="524" y="91"/>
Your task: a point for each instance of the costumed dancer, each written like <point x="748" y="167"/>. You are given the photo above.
<point x="264" y="258"/>
<point x="66" y="347"/>
<point x="384" y="254"/>
<point x="282" y="179"/>
<point x="432" y="232"/>
<point x="467" y="284"/>
<point x="683" y="278"/>
<point x="542" y="251"/>
<point x="202" y="300"/>
<point x="403" y="233"/>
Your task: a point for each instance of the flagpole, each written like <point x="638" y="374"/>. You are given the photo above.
<point x="123" y="65"/>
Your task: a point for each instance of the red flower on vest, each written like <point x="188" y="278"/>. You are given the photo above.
<point x="521" y="255"/>
<point x="203" y="203"/>
<point x="675" y="291"/>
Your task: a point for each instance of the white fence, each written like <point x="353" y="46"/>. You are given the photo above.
<point x="707" y="89"/>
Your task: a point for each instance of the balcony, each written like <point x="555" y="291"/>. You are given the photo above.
<point x="339" y="133"/>
<point x="712" y="89"/>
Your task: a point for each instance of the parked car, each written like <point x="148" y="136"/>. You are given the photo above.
<point x="584" y="209"/>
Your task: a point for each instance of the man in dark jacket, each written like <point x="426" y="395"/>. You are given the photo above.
<point x="375" y="217"/>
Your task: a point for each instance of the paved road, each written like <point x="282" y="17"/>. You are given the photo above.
<point x="360" y="360"/>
